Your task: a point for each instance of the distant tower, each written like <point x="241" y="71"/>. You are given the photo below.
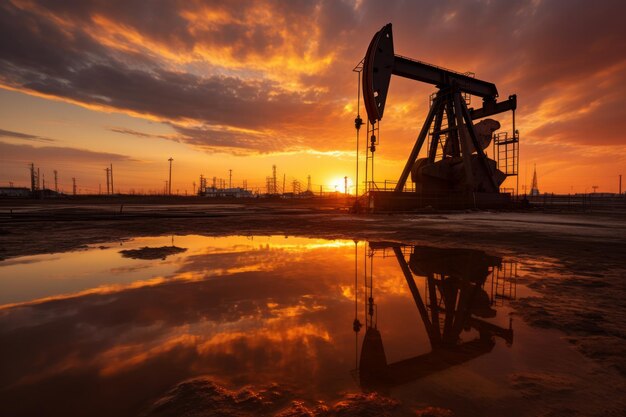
<point x="108" y="183"/>
<point x="169" y="189"/>
<point x="230" y="178"/>
<point x="73" y="186"/>
<point x="345" y="185"/>
<point x="308" y="183"/>
<point x="33" y="178"/>
<point x="534" y="190"/>
<point x="56" y="182"/>
<point x="274" y="183"/>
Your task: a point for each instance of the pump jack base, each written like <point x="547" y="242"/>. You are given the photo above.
<point x="391" y="201"/>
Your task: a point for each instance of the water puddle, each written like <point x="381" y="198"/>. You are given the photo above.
<point x="248" y="325"/>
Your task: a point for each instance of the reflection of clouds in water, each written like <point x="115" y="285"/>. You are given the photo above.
<point x="202" y="266"/>
<point x="28" y="260"/>
<point x="262" y="347"/>
<point x="244" y="320"/>
<point x="130" y="269"/>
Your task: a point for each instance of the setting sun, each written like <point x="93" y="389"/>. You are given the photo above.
<point x="338" y="184"/>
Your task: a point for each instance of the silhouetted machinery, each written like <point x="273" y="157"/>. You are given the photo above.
<point x="456" y="302"/>
<point x="456" y="169"/>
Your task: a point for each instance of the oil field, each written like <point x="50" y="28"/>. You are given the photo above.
<point x="300" y="209"/>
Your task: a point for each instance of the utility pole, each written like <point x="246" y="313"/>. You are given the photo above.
<point x="43" y="179"/>
<point x="111" y="179"/>
<point x="38" y="177"/>
<point x="308" y="183"/>
<point x="169" y="190"/>
<point x="108" y="183"/>
<point x="345" y="185"/>
<point x="33" y="182"/>
<point x="166" y="191"/>
<point x="230" y="178"/>
<point x="321" y="190"/>
<point x="284" y="178"/>
<point x="73" y="186"/>
<point x="274" y="188"/>
<point x="194" y="187"/>
<point x="56" y="182"/>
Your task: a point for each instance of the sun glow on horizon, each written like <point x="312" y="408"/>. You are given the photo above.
<point x="338" y="184"/>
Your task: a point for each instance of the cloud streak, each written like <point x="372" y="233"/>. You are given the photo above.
<point x="27" y="153"/>
<point x="23" y="136"/>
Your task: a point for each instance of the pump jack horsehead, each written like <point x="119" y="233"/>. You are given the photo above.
<point x="456" y="162"/>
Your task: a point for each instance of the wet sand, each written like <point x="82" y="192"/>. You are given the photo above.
<point x="578" y="280"/>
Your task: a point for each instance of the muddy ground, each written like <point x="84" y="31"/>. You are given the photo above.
<point x="584" y="295"/>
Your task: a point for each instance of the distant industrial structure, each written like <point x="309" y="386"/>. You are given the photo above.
<point x="534" y="189"/>
<point x="169" y="182"/>
<point x="218" y="188"/>
<point x="22" y="192"/>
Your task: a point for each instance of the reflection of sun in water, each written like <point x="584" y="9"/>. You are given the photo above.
<point x="338" y="184"/>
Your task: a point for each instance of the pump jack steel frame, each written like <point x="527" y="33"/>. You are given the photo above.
<point x="380" y="63"/>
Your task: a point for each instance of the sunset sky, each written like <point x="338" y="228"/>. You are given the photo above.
<point x="243" y="85"/>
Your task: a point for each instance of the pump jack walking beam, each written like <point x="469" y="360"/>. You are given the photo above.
<point x="380" y="63"/>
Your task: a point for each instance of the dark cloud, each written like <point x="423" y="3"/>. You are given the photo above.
<point x="237" y="142"/>
<point x="588" y="117"/>
<point x="28" y="153"/>
<point x="23" y="136"/>
<point x="49" y="60"/>
<point x="132" y="132"/>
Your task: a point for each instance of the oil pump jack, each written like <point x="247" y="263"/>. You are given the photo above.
<point x="456" y="169"/>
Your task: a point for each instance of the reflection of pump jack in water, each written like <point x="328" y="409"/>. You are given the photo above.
<point x="456" y="301"/>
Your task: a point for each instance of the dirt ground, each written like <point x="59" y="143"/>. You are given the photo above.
<point x="584" y="296"/>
